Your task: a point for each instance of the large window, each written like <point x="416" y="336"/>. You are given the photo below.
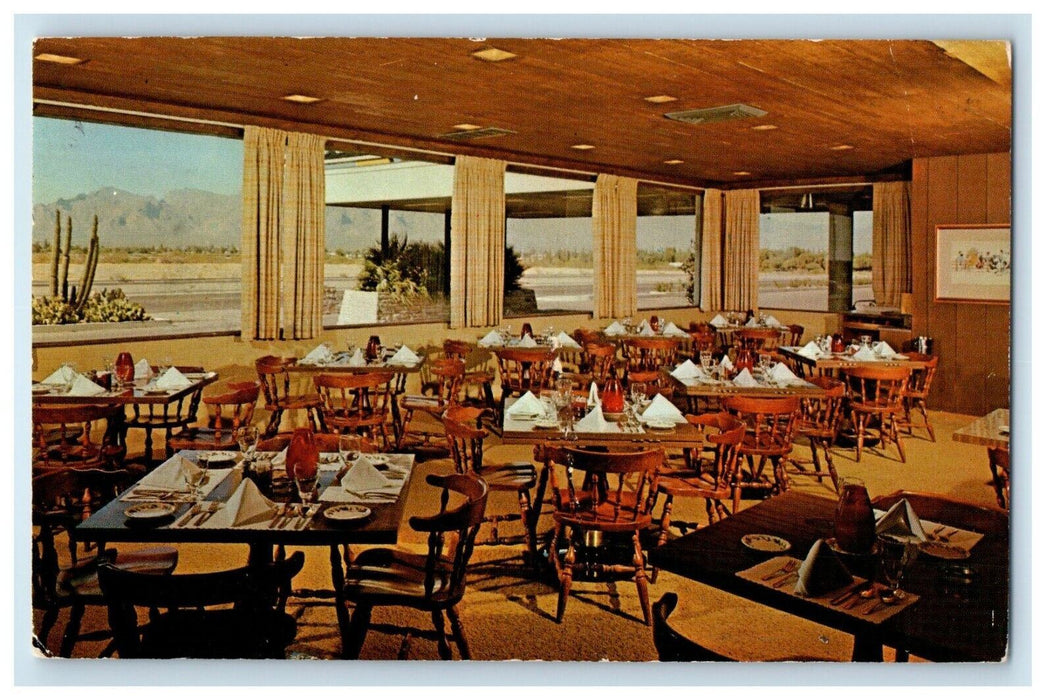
<point x="387" y="227"/>
<point x="169" y="219"/>
<point x="815" y="248"/>
<point x="548" y="237"/>
<point x="665" y="248"/>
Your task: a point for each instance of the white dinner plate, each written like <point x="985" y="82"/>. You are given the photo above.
<point x="376" y="459"/>
<point x="150" y="511"/>
<point x="546" y="423"/>
<point x="217" y="457"/>
<point x="346" y="513"/>
<point x="942" y="550"/>
<point x="658" y="424"/>
<point x="766" y="543"/>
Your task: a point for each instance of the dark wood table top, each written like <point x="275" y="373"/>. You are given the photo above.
<point x="954" y="619"/>
<point x="840" y="360"/>
<point x="109" y="523"/>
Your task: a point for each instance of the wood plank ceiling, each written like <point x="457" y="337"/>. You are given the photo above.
<point x="834" y="108"/>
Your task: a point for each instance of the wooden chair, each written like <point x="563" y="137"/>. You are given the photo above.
<point x="227" y="412"/>
<point x="759" y="341"/>
<point x="250" y="624"/>
<point x="524" y="370"/>
<point x="821" y="423"/>
<point x="875" y="394"/>
<point x="466" y="449"/>
<point x="792" y="335"/>
<point x="481" y="379"/>
<point x="326" y="442"/>
<point x="447" y="376"/>
<point x="656" y="382"/>
<point x="278" y="397"/>
<point x="433" y="582"/>
<point x="597" y="362"/>
<point x="916" y="392"/>
<point x="670" y="644"/>
<point x="74" y="584"/>
<point x="167" y="417"/>
<point x="703" y="340"/>
<point x="86" y="440"/>
<point x="650" y="354"/>
<point x="771" y="426"/>
<point x="714" y="479"/>
<point x="998" y="460"/>
<point x="592" y="509"/>
<point x="357" y="403"/>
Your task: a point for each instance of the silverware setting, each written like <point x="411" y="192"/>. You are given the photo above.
<point x="209" y="509"/>
<point x="850" y="593"/>
<point x="194" y="510"/>
<point x="938" y="533"/>
<point x="786" y="568"/>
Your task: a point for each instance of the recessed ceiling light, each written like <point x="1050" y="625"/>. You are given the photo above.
<point x="673" y="161"/>
<point x="302" y="99"/>
<point x="493" y="55"/>
<point x="583" y="146"/>
<point x="842" y="147"/>
<point x="742" y="172"/>
<point x="467" y="127"/>
<point x="58" y="58"/>
<point x="660" y="99"/>
<point x="764" y="127"/>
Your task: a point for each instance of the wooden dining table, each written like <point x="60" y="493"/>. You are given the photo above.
<point x="111" y="524"/>
<point x="961" y="613"/>
<point x="830" y="363"/>
<point x="990" y="431"/>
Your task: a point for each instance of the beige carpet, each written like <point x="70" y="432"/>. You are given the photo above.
<point x="509" y="615"/>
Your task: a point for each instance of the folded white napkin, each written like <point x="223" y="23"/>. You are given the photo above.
<point x="565" y="341"/>
<point x="168" y="475"/>
<point x="725" y="364"/>
<point x="662" y="409"/>
<point x="811" y="350"/>
<point x="172" y="379"/>
<point x="527" y="341"/>
<point x="491" y="339"/>
<point x="82" y="386"/>
<point x="645" y="329"/>
<point x="672" y="330"/>
<point x="821" y="572"/>
<point x="593" y="422"/>
<point x="687" y="370"/>
<point x="357" y="359"/>
<point x="901" y="520"/>
<point x="526" y="406"/>
<point x="245" y="507"/>
<point x="752" y="323"/>
<point x="615" y="328"/>
<point x="772" y="322"/>
<point x="557" y="366"/>
<point x="279" y="459"/>
<point x="594" y="396"/>
<point x="744" y="378"/>
<point x="719" y="321"/>
<point x="864" y="354"/>
<point x="61" y="377"/>
<point x="404" y="356"/>
<point x="781" y="374"/>
<point x="143" y="369"/>
<point x="320" y="355"/>
<point x="363" y="476"/>
<point x="883" y="349"/>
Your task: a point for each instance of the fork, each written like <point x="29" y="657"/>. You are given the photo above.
<point x="194" y="510"/>
<point x="786" y="568"/>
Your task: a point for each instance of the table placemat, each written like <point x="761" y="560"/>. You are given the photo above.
<point x="286" y="517"/>
<point x="140" y="493"/>
<point x="966" y="539"/>
<point x="872" y="610"/>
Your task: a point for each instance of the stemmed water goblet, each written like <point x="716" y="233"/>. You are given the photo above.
<point x="896" y="554"/>
<point x="247" y="436"/>
<point x="195" y="478"/>
<point x="348" y="446"/>
<point x="306" y="476"/>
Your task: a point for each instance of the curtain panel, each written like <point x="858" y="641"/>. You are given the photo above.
<point x="712" y="278"/>
<point x="614" y="246"/>
<point x="891" y="245"/>
<point x="741" y="249"/>
<point x="477" y="242"/>
<point x="282" y="234"/>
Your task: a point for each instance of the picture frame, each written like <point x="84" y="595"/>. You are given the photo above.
<point x="973" y="263"/>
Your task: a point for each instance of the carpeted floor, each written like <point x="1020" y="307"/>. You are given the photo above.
<point x="510" y="614"/>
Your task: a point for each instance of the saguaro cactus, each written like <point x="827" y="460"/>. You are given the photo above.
<point x="91" y="262"/>
<point x="60" y="287"/>
<point x="55" y="254"/>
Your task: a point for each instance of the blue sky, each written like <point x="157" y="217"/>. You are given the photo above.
<point x="71" y="158"/>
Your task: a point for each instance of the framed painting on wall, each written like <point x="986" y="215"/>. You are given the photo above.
<point x="973" y="263"/>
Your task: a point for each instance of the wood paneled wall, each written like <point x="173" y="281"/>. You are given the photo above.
<point x="971" y="339"/>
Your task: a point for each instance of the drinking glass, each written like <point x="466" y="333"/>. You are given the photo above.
<point x="247" y="435"/>
<point x="306" y="476"/>
<point x="897" y="553"/>
<point x="864" y="340"/>
<point x="348" y="446"/>
<point x="195" y="479"/>
<point x="566" y="422"/>
<point x="164" y="365"/>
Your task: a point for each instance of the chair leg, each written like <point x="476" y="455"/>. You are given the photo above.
<point x="440" y="627"/>
<point x="69" y="637"/>
<point x="925" y="417"/>
<point x="274" y="423"/>
<point x="50" y="618"/>
<point x="894" y="436"/>
<point x="830" y="465"/>
<point x="458" y="632"/>
<point x="641" y="579"/>
<point x="355" y="636"/>
<point x="859" y="421"/>
<point x="529" y="525"/>
<point x="566" y="576"/>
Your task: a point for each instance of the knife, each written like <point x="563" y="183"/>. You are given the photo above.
<point x="849" y="593"/>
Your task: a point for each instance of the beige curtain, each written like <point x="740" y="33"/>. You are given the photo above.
<point x="283" y="234"/>
<point x="891" y="251"/>
<point x="614" y="246"/>
<point x="261" y="196"/>
<point x="741" y="249"/>
<point x="477" y="242"/>
<point x="712" y="279"/>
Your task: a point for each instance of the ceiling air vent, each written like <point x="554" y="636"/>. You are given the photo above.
<point x="716" y="114"/>
<point x="485" y="133"/>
